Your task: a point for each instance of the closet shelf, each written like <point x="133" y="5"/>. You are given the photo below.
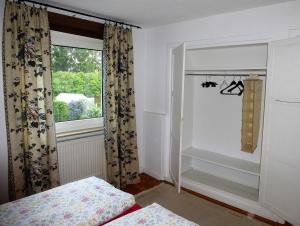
<point x="193" y="175"/>
<point x="223" y="160"/>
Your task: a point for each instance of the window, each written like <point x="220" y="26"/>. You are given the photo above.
<point x="76" y="82"/>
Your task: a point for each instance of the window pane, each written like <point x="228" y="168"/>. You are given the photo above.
<point x="77" y="83"/>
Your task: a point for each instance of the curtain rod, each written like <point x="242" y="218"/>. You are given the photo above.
<point x="80" y="13"/>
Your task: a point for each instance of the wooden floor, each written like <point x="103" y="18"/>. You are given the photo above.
<point x="148" y="182"/>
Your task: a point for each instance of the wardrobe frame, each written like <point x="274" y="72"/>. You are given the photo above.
<point x="255" y="207"/>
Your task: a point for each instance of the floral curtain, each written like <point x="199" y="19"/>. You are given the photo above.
<point x="119" y="107"/>
<point x="33" y="165"/>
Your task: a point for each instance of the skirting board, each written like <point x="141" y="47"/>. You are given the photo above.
<point x="158" y="177"/>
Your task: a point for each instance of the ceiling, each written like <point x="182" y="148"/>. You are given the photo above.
<point x="151" y="13"/>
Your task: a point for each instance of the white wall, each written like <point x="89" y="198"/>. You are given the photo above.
<point x="261" y="24"/>
<point x="3" y="143"/>
<point x="139" y="39"/>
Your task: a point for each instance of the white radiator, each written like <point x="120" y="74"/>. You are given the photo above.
<point x="81" y="157"/>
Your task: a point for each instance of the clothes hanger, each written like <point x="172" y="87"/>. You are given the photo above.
<point x="204" y="84"/>
<point x="225" y="90"/>
<point x="241" y="85"/>
<point x="224" y="83"/>
<point x="209" y="83"/>
<point x="238" y="85"/>
<point x="212" y="84"/>
<point x="235" y="88"/>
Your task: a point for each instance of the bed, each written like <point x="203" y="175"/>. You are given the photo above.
<point x="135" y="207"/>
<point x="90" y="201"/>
<point x="151" y="215"/>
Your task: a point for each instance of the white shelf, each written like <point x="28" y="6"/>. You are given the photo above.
<point x="223" y="160"/>
<point x="220" y="183"/>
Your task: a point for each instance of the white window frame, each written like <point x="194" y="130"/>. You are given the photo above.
<point x="84" y="125"/>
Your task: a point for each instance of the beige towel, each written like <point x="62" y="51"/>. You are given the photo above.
<point x="251" y="114"/>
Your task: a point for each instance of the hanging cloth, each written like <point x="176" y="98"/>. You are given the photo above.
<point x="119" y="107"/>
<point x="251" y="114"/>
<point x="32" y="153"/>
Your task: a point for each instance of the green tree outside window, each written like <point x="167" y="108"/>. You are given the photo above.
<point x="76" y="71"/>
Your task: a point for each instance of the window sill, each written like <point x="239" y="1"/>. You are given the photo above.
<point x="78" y="132"/>
<point x="71" y="128"/>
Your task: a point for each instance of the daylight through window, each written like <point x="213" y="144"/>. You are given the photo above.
<point x="77" y="83"/>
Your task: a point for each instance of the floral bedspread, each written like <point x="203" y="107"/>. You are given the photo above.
<point x="151" y="215"/>
<point x="90" y="201"/>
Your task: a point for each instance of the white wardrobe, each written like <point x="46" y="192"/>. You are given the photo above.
<point x="205" y="147"/>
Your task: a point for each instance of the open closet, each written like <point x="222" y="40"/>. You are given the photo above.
<point x="212" y="125"/>
<point x="223" y="131"/>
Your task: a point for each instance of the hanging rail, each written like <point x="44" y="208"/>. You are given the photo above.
<point x="222" y="75"/>
<point x="80" y="13"/>
<point x="237" y="72"/>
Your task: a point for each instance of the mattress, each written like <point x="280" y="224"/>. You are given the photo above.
<point x="90" y="201"/>
<point x="151" y="215"/>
